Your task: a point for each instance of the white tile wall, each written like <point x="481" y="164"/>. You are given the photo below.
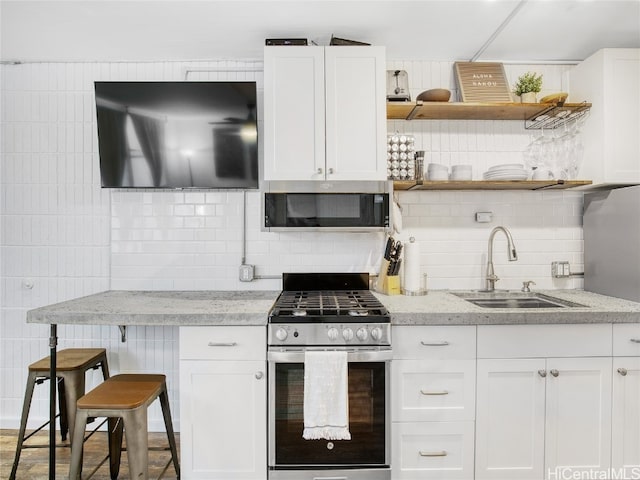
<point x="65" y="236"/>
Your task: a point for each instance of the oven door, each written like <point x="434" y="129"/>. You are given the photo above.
<point x="366" y="455"/>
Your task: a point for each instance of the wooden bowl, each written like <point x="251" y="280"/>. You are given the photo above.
<point x="435" y="95"/>
<point x="558" y="98"/>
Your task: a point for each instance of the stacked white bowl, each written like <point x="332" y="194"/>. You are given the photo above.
<point x="435" y="171"/>
<point x="461" y="172"/>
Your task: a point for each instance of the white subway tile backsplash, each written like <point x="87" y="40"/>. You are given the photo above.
<point x="72" y="238"/>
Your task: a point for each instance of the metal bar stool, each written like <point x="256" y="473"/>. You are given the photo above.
<point x="71" y="367"/>
<point x="124" y="399"/>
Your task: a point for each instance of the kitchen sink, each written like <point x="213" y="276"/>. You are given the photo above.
<point x="506" y="299"/>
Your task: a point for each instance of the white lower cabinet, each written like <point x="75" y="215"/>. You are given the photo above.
<point x="625" y="431"/>
<point x="510" y="419"/>
<point x="546" y="416"/>
<point x="578" y="418"/>
<point x="223" y="403"/>
<point x="433" y="403"/>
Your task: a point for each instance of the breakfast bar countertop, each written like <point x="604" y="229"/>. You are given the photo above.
<point x="251" y="307"/>
<point x="128" y="307"/>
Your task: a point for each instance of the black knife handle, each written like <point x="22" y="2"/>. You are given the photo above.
<point x="396" y="268"/>
<point x="398" y="250"/>
<point x="392" y="267"/>
<point x="387" y="249"/>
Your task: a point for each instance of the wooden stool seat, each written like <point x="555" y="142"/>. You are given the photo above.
<point x="71" y="359"/>
<point x="124" y="400"/>
<point x="124" y="392"/>
<point x="71" y="367"/>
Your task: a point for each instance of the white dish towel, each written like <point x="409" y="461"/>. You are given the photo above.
<point x="326" y="396"/>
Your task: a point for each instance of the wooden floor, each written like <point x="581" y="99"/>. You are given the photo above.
<point x="34" y="462"/>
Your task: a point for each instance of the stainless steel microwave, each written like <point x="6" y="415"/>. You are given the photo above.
<point x="329" y="209"/>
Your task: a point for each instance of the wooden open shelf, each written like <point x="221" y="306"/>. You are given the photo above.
<point x="484" y="111"/>
<point x="414" y="185"/>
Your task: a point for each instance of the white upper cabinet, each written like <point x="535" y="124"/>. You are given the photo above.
<point x="324" y="110"/>
<point x="610" y="80"/>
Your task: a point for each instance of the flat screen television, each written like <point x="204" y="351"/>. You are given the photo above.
<point x="177" y="134"/>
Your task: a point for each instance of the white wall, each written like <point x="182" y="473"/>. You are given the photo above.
<point x="68" y="238"/>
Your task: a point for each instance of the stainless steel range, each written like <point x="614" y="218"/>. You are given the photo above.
<point x="329" y="312"/>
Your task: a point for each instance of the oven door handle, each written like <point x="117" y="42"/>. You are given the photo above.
<point x="297" y="356"/>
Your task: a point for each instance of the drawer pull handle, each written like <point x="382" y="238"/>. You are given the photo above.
<point x="443" y="343"/>
<point x="542" y="373"/>
<point x="441" y="453"/>
<point x="635" y="340"/>
<point x="439" y="392"/>
<point x="622" y="371"/>
<point x="222" y="344"/>
<point x="554" y="372"/>
<point x="259" y="375"/>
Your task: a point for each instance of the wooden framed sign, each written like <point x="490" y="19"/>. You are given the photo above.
<point x="482" y="82"/>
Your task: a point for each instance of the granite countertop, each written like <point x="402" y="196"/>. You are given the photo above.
<point x="123" y="307"/>
<point x="438" y="307"/>
<point x="441" y="307"/>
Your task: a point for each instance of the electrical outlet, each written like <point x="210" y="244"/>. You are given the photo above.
<point x="246" y="273"/>
<point x="560" y="269"/>
<point x="483" y="217"/>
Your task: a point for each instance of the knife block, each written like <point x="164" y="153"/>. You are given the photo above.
<point x="389" y="285"/>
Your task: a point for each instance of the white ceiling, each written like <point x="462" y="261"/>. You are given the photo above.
<point x="115" y="30"/>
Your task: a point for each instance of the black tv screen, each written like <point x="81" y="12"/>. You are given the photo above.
<point x="177" y="134"/>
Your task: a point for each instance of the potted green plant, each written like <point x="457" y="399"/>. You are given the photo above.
<point x="527" y="86"/>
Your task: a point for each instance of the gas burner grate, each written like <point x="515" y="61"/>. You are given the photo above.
<point x="343" y="305"/>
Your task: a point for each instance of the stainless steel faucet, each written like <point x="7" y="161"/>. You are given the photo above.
<point x="491" y="277"/>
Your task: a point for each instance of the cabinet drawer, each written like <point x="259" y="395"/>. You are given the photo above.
<point x="626" y="340"/>
<point x="538" y="341"/>
<point x="415" y="342"/>
<point x="432" y="450"/>
<point x="433" y="390"/>
<point x="223" y="343"/>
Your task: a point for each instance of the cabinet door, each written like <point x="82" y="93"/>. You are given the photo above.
<point x="578" y="420"/>
<point x="622" y="115"/>
<point x="294" y="116"/>
<point x="609" y="80"/>
<point x="223" y="419"/>
<point x="625" y="441"/>
<point x="355" y="113"/>
<point x="510" y="419"/>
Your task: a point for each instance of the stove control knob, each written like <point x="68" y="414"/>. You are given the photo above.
<point x="347" y="334"/>
<point x="362" y="334"/>
<point x="281" y="334"/>
<point x="332" y="333"/>
<point x="376" y="333"/>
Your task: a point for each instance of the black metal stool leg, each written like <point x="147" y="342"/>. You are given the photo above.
<point x="166" y="413"/>
<point x="62" y="406"/>
<point x="116" y="429"/>
<point x="53" y="355"/>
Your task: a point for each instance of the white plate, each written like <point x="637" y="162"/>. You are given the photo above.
<point x="502" y="174"/>
<point x="506" y="170"/>
<point x="522" y="176"/>
<point x="518" y="166"/>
